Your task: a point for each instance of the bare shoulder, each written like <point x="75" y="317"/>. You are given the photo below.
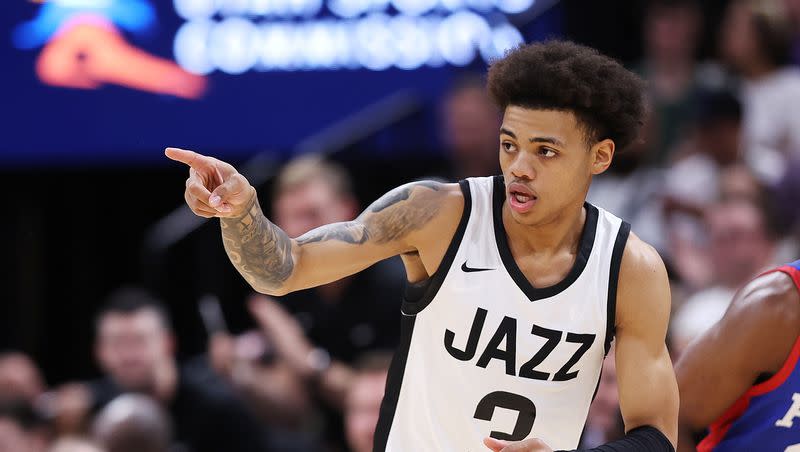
<point x="643" y="288"/>
<point x="769" y="307"/>
<point x="641" y="260"/>
<point x="427" y="192"/>
<point x="774" y="291"/>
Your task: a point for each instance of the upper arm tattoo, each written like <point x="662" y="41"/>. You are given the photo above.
<point x="258" y="249"/>
<point x="401" y="194"/>
<point x="389" y="218"/>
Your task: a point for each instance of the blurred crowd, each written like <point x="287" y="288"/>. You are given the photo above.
<point x="713" y="184"/>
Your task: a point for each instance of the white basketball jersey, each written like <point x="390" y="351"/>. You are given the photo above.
<point x="484" y="353"/>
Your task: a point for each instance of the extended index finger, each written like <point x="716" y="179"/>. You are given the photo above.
<point x="190" y="158"/>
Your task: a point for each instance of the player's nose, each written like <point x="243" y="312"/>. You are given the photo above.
<point x="522" y="167"/>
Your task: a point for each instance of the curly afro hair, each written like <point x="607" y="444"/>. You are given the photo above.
<point x="606" y="98"/>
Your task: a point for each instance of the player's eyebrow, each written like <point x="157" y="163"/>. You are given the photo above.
<point x="551" y="140"/>
<point x="505" y="131"/>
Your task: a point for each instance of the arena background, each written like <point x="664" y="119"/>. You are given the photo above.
<point x="88" y="181"/>
<point x="90" y="203"/>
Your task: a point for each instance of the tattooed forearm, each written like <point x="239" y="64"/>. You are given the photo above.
<point x="258" y="249"/>
<point x="350" y="232"/>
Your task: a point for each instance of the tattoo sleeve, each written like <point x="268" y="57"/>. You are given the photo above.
<point x="389" y="218"/>
<point x="259" y="250"/>
<point x="262" y="252"/>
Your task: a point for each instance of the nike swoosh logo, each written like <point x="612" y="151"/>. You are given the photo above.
<point x="466" y="269"/>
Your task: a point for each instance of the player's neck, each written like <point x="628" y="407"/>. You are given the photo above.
<point x="550" y="237"/>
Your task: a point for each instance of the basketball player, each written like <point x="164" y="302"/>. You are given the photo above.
<point x="517" y="286"/>
<point x="741" y="377"/>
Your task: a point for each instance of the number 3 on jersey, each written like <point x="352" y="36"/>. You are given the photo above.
<point x="507" y="333"/>
<point x="516" y="402"/>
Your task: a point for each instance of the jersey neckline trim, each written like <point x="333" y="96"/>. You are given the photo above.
<point x="584" y="248"/>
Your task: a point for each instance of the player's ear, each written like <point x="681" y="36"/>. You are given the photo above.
<point x="602" y="154"/>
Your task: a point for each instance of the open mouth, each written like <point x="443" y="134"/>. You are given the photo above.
<point x="520" y="198"/>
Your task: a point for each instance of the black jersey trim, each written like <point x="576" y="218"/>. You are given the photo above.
<point x="416" y="299"/>
<point x="584" y="248"/>
<point x="613" y="280"/>
<point x="393" y="384"/>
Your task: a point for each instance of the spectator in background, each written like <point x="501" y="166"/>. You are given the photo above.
<point x="470" y="122"/>
<point x="632" y="189"/>
<point x="741" y="244"/>
<point x="671" y="31"/>
<point x="136" y="349"/>
<point x="353" y="315"/>
<point x="133" y="423"/>
<point x="271" y="387"/>
<point x="739" y="181"/>
<point x="74" y="444"/>
<point x="324" y="376"/>
<point x="21" y="429"/>
<point x="20" y="378"/>
<point x="331" y="325"/>
<point x="793" y="9"/>
<point x="363" y="400"/>
<point x="755" y="42"/>
<point x="693" y="182"/>
<point x="787" y="198"/>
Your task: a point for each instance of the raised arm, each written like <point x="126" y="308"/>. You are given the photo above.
<point x="399" y="222"/>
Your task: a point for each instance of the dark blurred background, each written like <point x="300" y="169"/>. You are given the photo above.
<point x="94" y="205"/>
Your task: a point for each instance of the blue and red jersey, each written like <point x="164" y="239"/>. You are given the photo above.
<point x="767" y="416"/>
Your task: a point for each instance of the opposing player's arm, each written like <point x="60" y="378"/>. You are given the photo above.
<point x="754" y="337"/>
<point x="648" y="392"/>
<point x="273" y="263"/>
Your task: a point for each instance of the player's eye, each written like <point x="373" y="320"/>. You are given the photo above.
<point x="508" y="146"/>
<point x="547" y="152"/>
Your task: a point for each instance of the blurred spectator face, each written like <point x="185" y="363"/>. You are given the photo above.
<point x="19" y="377"/>
<point x="739" y="40"/>
<point x="132" y="423"/>
<point x="721" y="140"/>
<point x="740" y="246"/>
<point x="471" y="123"/>
<point x="793" y="8"/>
<point x="671" y="31"/>
<point x="362" y="408"/>
<point x="309" y="205"/>
<point x="13" y="438"/>
<point x="738" y="181"/>
<point x="17" y="432"/>
<point x="132" y="347"/>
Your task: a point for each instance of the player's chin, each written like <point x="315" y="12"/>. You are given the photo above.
<point x="529" y="217"/>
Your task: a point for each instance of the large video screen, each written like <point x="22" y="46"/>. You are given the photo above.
<point x="118" y="80"/>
